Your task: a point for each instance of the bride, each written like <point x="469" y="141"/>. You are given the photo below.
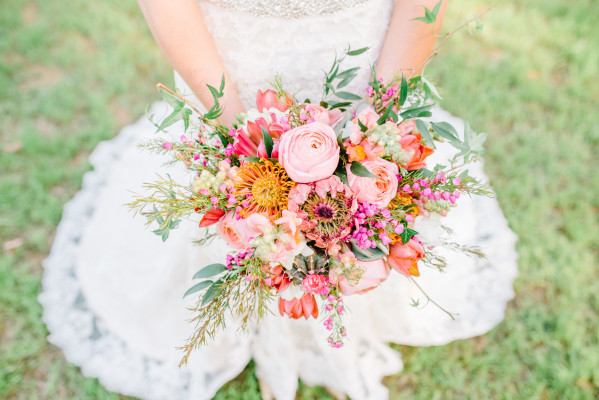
<point x="113" y="291"/>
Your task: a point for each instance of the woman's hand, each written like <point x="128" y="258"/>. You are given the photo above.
<point x="180" y="31"/>
<point x="409" y="42"/>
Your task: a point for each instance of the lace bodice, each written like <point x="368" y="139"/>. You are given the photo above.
<point x="289" y="8"/>
<point x="301" y="49"/>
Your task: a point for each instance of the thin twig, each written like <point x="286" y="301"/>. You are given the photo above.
<point x="431" y="300"/>
<point x="447" y="36"/>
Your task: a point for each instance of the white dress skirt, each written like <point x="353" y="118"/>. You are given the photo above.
<point x="112" y="290"/>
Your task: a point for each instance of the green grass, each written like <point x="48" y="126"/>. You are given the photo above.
<point x="71" y="76"/>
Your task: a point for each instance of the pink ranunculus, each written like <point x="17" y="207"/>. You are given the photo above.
<point x="379" y="190"/>
<point x="407" y="127"/>
<point x="315" y="284"/>
<point x="233" y="231"/>
<point x="322" y="115"/>
<point x="269" y="99"/>
<point x="368" y="118"/>
<point x="309" y="153"/>
<point x="376" y="273"/>
<point x="404" y="257"/>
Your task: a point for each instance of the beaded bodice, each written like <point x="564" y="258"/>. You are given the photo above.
<point x="289" y="8"/>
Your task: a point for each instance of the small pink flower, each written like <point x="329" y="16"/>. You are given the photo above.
<point x="167" y="145"/>
<point x="315" y="283"/>
<point x="269" y="99"/>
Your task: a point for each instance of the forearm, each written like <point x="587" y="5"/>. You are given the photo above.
<point x="408" y="42"/>
<point x="180" y="31"/>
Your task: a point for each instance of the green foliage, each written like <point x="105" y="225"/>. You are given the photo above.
<point x="430" y="16"/>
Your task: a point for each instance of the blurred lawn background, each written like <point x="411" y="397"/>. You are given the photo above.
<point x="73" y="75"/>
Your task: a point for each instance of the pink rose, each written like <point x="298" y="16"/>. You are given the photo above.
<point x="404" y="257"/>
<point x="379" y="190"/>
<point x="376" y="273"/>
<point x="413" y="144"/>
<point x="309" y="153"/>
<point x="233" y="231"/>
<point x="368" y="118"/>
<point x="315" y="284"/>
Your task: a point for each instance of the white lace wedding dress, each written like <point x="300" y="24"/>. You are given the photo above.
<point x="112" y="291"/>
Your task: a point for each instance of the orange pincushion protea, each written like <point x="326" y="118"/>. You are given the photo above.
<point x="296" y="308"/>
<point x="266" y="188"/>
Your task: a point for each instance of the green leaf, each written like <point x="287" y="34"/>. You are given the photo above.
<point x="250" y="159"/>
<point x="447" y="131"/>
<point x="348" y="72"/>
<point x="431" y="87"/>
<point x="347" y="96"/>
<point x="171" y="99"/>
<point x="357" y="52"/>
<point x="369" y="254"/>
<point x="416" y="112"/>
<point x="186" y="114"/>
<point x="222" y="84"/>
<point x="165" y="229"/>
<point x="268" y="144"/>
<point x="360" y="170"/>
<point x="429" y="16"/>
<point x="197" y="287"/>
<point x="212" y="292"/>
<point x="173" y="117"/>
<point x="407" y="234"/>
<point x="403" y="91"/>
<point x="363" y="127"/>
<point x="342" y="174"/>
<point x="386" y="114"/>
<point x="341" y="104"/>
<point x="210" y="270"/>
<point x="424" y="131"/>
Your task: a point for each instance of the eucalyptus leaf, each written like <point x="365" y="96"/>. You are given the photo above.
<point x="416" y="112"/>
<point x="360" y="170"/>
<point x="173" y="117"/>
<point x="197" y="287"/>
<point x="424" y="131"/>
<point x="348" y="72"/>
<point x="212" y="292"/>
<point x="357" y="52"/>
<point x="447" y="131"/>
<point x="210" y="270"/>
<point x="347" y="96"/>
<point x="370" y="254"/>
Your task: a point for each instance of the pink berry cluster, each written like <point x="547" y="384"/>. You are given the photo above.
<point x="333" y="323"/>
<point x="373" y="225"/>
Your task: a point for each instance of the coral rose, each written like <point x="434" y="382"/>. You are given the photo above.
<point x="413" y="144"/>
<point x="296" y="308"/>
<point x="234" y="231"/>
<point x="379" y="190"/>
<point x="404" y="257"/>
<point x="278" y="278"/>
<point x="376" y="273"/>
<point x="309" y="153"/>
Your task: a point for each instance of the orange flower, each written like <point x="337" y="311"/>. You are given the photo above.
<point x="296" y="308"/>
<point x="404" y="257"/>
<point x="278" y="278"/>
<point x="355" y="153"/>
<point x="413" y="143"/>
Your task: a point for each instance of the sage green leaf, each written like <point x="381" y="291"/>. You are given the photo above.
<point x="360" y="170"/>
<point x="268" y="144"/>
<point x="197" y="287"/>
<point x="212" y="292"/>
<point x="347" y="96"/>
<point x="424" y="131"/>
<point x="407" y="234"/>
<point x="447" y="131"/>
<point x="342" y="175"/>
<point x="348" y="72"/>
<point x="383" y="118"/>
<point x="431" y="87"/>
<point x="357" y="52"/>
<point x="416" y="112"/>
<point x="210" y="270"/>
<point x="186" y="113"/>
<point x="403" y="91"/>
<point x="370" y="254"/>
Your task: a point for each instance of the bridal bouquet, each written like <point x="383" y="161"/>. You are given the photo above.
<point x="317" y="200"/>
